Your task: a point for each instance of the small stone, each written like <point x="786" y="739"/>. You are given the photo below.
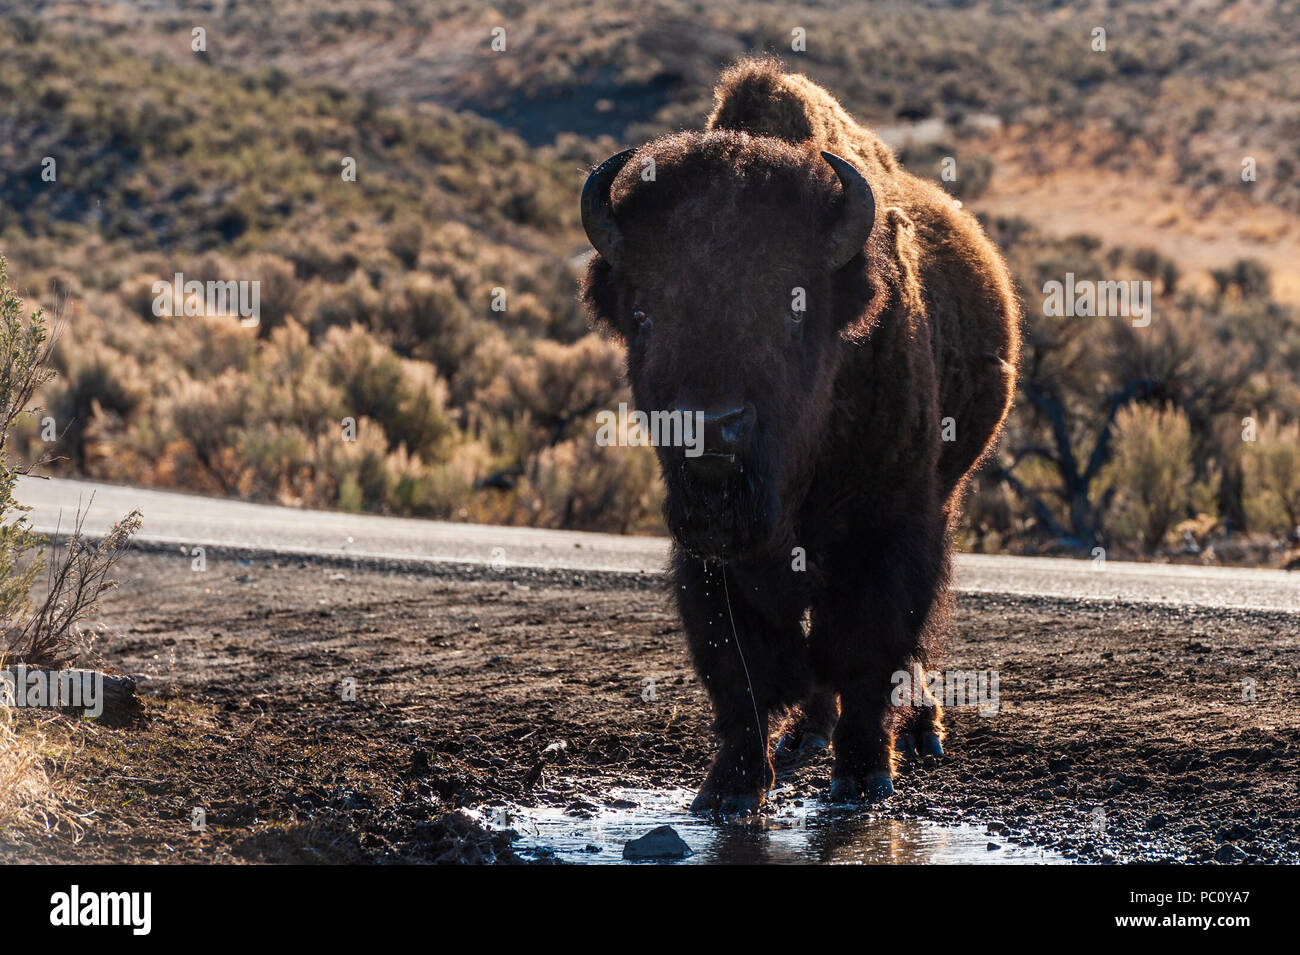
<point x="1229" y="853"/>
<point x="661" y="843"/>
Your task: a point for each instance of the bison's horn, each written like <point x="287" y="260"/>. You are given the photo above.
<point x="597" y="220"/>
<point x="857" y="213"/>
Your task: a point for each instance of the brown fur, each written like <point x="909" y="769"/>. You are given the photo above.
<point x="937" y="256"/>
<point x="847" y="462"/>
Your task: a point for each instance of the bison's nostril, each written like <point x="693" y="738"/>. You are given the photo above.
<point x="720" y="432"/>
<point x="733" y="426"/>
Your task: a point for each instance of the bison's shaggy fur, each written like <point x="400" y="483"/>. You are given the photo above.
<point x="843" y="473"/>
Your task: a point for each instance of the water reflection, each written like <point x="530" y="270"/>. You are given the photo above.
<point x="797" y="834"/>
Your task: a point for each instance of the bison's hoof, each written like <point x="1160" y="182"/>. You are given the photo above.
<point x="924" y="744"/>
<point x="787" y="748"/>
<point x="844" y="789"/>
<point x="794" y="748"/>
<point x="741" y="804"/>
<point x="876" y="787"/>
<point x="710" y="801"/>
<point x="813" y="744"/>
<point x="931" y="745"/>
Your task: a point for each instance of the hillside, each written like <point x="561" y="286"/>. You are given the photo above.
<point x="377" y="294"/>
<point x="430" y="301"/>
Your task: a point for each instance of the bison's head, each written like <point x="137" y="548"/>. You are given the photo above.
<point x="730" y="265"/>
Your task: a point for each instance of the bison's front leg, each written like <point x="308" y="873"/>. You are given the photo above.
<point x="872" y="623"/>
<point x="748" y="650"/>
<point x="863" y="743"/>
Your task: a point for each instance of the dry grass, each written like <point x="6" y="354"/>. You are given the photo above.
<point x="29" y="797"/>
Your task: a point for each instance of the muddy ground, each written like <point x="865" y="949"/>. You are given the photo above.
<point x="464" y="676"/>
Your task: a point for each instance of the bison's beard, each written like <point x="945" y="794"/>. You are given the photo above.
<point x="720" y="519"/>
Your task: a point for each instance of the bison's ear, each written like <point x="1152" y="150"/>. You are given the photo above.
<point x="857" y="298"/>
<point x="600" y="297"/>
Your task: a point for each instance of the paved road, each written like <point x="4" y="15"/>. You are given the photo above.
<point x="190" y="519"/>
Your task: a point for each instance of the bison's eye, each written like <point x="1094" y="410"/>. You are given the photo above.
<point x="794" y="327"/>
<point x="642" y="320"/>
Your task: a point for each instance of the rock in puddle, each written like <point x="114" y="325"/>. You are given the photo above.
<point x="661" y="843"/>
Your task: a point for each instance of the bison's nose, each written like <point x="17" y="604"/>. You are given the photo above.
<point x="715" y="437"/>
<point x="726" y="431"/>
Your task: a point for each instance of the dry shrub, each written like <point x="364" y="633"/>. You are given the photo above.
<point x="77" y="577"/>
<point x="1151" y="473"/>
<point x="287" y="385"/>
<point x="210" y="416"/>
<point x="138" y="295"/>
<point x="92" y="376"/>
<point x="406" y="241"/>
<point x="407" y="398"/>
<point x="578" y="484"/>
<point x="449" y="487"/>
<point x="279" y="292"/>
<point x="355" y="302"/>
<point x="358" y="467"/>
<point x="424" y="317"/>
<point x="989" y="516"/>
<point x="273" y="426"/>
<point x="206" y="348"/>
<point x="559" y="384"/>
<point x="1271" y="472"/>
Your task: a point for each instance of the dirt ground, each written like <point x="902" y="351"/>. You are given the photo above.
<point x="464" y="676"/>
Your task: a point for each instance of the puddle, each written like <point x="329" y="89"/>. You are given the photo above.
<point x="812" y="832"/>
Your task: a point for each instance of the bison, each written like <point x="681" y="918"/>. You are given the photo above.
<point x="846" y="336"/>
